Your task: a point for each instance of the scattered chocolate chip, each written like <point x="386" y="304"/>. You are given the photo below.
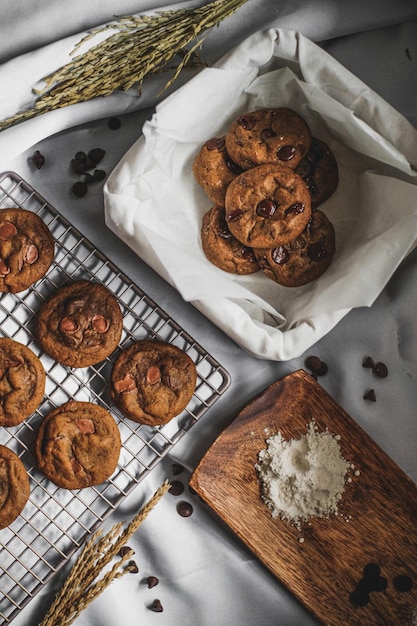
<point x="403" y="583"/>
<point x="79" y="189"/>
<point x="184" y="508"/>
<point x="381" y="370"/>
<point x="358" y="598"/>
<point x="176" y="488"/>
<point x="78" y="166"/>
<point x="370" y="395"/>
<point x="114" y="123"/>
<point x="177" y="468"/>
<point x="124" y="550"/>
<point x="381" y="584"/>
<point x="88" y="178"/>
<point x="156" y="606"/>
<point x="132" y="567"/>
<point x="152" y="581"/>
<point x="95" y="155"/>
<point x="81" y="156"/>
<point x="368" y="362"/>
<point x="316" y="365"/>
<point x="99" y="175"/>
<point x="365" y="585"/>
<point x="372" y="570"/>
<point x="372" y="581"/>
<point x="38" y="159"/>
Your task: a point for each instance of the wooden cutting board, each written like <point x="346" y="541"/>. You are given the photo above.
<point x="377" y="521"/>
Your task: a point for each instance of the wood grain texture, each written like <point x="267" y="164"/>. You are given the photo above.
<point x="377" y="519"/>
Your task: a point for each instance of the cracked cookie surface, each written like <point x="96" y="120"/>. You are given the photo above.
<point x="267" y="205"/>
<point x="22" y="382"/>
<point x="78" y="445"/>
<point x="80" y="325"/>
<point x="27" y="249"/>
<point x="152" y="382"/>
<point x="222" y="248"/>
<point x="14" y="486"/>
<point x="213" y="169"/>
<point x="320" y="172"/>
<point x="305" y="258"/>
<point x="278" y="135"/>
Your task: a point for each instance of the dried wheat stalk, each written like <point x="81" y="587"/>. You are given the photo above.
<point x="82" y="587"/>
<point x="137" y="47"/>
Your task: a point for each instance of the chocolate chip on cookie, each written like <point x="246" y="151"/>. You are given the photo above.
<point x="304" y="259"/>
<point x="152" y="381"/>
<point x="268" y="135"/>
<point x="267" y="206"/>
<point x="27" y="249"/>
<point x="78" y="445"/>
<point x="81" y="324"/>
<point x="222" y="248"/>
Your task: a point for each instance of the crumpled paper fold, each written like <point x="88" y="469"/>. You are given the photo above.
<point x="153" y="203"/>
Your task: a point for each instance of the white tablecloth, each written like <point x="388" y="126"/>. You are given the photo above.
<point x="206" y="575"/>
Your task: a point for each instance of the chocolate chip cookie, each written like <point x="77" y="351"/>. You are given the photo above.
<point x="304" y="259"/>
<point x="319" y="171"/>
<point x="78" y="445"/>
<point x="222" y="248"/>
<point x="80" y="325"/>
<point x="14" y="486"/>
<point x="214" y="169"/>
<point x="22" y="382"/>
<point x="267" y="206"/>
<point x="152" y="382"/>
<point x="278" y="135"/>
<point x="27" y="249"/>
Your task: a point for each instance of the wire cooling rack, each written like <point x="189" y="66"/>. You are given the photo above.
<point x="55" y="522"/>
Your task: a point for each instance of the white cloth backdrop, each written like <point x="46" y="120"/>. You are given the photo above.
<point x="206" y="576"/>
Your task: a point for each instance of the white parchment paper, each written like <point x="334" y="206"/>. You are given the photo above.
<point x="153" y="203"/>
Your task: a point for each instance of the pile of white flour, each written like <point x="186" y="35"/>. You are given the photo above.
<point x="302" y="478"/>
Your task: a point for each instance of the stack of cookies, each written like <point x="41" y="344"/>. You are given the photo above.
<point x="267" y="177"/>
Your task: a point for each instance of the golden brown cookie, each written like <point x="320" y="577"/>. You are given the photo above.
<point x="14" y="486"/>
<point x="222" y="249"/>
<point x="81" y="324"/>
<point x="319" y="171"/>
<point x="22" y="382"/>
<point x="152" y="382"/>
<point x="267" y="206"/>
<point x="278" y="135"/>
<point x="304" y="259"/>
<point x="78" y="445"/>
<point x="27" y="249"/>
<point x="214" y="169"/>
